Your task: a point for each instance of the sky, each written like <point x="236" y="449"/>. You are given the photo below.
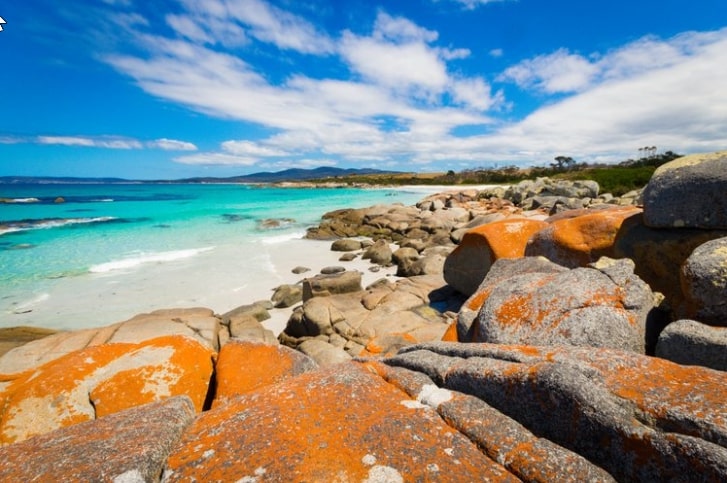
<point x="168" y="89"/>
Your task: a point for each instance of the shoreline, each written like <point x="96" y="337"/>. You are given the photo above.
<point x="221" y="278"/>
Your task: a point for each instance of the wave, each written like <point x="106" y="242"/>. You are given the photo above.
<point x="46" y="223"/>
<point x="272" y="240"/>
<point x="19" y="200"/>
<point x="144" y="258"/>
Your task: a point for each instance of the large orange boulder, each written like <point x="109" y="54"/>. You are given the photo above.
<point x="639" y="418"/>
<point x="244" y="366"/>
<point x="102" y="380"/>
<point x="468" y="264"/>
<point x="341" y="423"/>
<point x="578" y="237"/>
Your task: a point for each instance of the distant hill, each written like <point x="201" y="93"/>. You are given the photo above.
<point x="295" y="174"/>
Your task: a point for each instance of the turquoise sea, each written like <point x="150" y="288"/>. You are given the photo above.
<point x="84" y="237"/>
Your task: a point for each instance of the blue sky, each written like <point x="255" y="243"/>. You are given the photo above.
<point x="177" y="88"/>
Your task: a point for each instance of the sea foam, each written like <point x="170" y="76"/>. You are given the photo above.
<point x="159" y="257"/>
<point x="44" y="224"/>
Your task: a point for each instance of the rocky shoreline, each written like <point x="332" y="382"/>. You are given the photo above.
<point x="540" y="332"/>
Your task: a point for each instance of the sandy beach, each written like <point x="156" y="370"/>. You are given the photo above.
<point x="221" y="279"/>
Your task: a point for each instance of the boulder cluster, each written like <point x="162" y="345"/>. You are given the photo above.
<point x="541" y="332"/>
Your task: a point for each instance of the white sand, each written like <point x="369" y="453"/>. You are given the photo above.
<point x="220" y="279"/>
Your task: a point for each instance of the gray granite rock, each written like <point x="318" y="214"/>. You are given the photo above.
<point x="128" y="446"/>
<point x="704" y="282"/>
<point x="599" y="306"/>
<point x="671" y="200"/>
<point x="689" y="342"/>
<point x="639" y="418"/>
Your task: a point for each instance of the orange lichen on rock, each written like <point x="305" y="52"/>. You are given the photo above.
<point x="245" y="366"/>
<point x="467" y="265"/>
<point x="104" y="379"/>
<point x="575" y="241"/>
<point x="451" y="334"/>
<point x="387" y="344"/>
<point x="341" y="423"/>
<point x="664" y="389"/>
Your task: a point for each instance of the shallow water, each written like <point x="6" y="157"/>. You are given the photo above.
<point x="111" y="251"/>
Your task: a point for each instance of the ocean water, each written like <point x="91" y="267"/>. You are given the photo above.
<point x="83" y="260"/>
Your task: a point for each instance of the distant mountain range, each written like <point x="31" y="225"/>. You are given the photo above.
<point x="294" y="174"/>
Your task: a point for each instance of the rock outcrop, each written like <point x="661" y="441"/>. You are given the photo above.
<point x="351" y="321"/>
<point x="669" y="197"/>
<point x="544" y="380"/>
<point x="603" y="305"/>
<point x="101" y="380"/>
<point x="468" y="264"/>
<point x="639" y="418"/>
<point x="129" y="446"/>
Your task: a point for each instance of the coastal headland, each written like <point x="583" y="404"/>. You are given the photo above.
<point x="544" y="331"/>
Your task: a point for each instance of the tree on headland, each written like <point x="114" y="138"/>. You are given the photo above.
<point x="563" y="163"/>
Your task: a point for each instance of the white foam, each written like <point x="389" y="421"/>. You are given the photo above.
<point x="273" y="240"/>
<point x="22" y="200"/>
<point x="53" y="223"/>
<point x="160" y="257"/>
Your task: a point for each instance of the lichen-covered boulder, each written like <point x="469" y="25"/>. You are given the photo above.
<point x="688" y="192"/>
<point x="639" y="418"/>
<point x="505" y="269"/>
<point x="467" y="265"/>
<point x="692" y="343"/>
<point x="128" y="446"/>
<point x="704" y="283"/>
<point x="198" y="323"/>
<point x="244" y="367"/>
<point x="659" y="253"/>
<point x="341" y="423"/>
<point x="604" y="305"/>
<point x="578" y="237"/>
<point x="102" y="380"/>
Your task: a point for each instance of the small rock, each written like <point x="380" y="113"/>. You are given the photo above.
<point x="346" y="245"/>
<point x="287" y="296"/>
<point x="332" y="270"/>
<point x="299" y="270"/>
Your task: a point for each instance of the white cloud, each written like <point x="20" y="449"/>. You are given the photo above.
<point x="109" y="143"/>
<point x="282" y="28"/>
<point x="249" y="148"/>
<point x="401" y="101"/>
<point x="172" y="145"/>
<point x="400" y="29"/>
<point x="473" y="4"/>
<point x="216" y="159"/>
<point x="476" y="93"/>
<point x="496" y="53"/>
<point x="400" y="66"/>
<point x="560" y="71"/>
